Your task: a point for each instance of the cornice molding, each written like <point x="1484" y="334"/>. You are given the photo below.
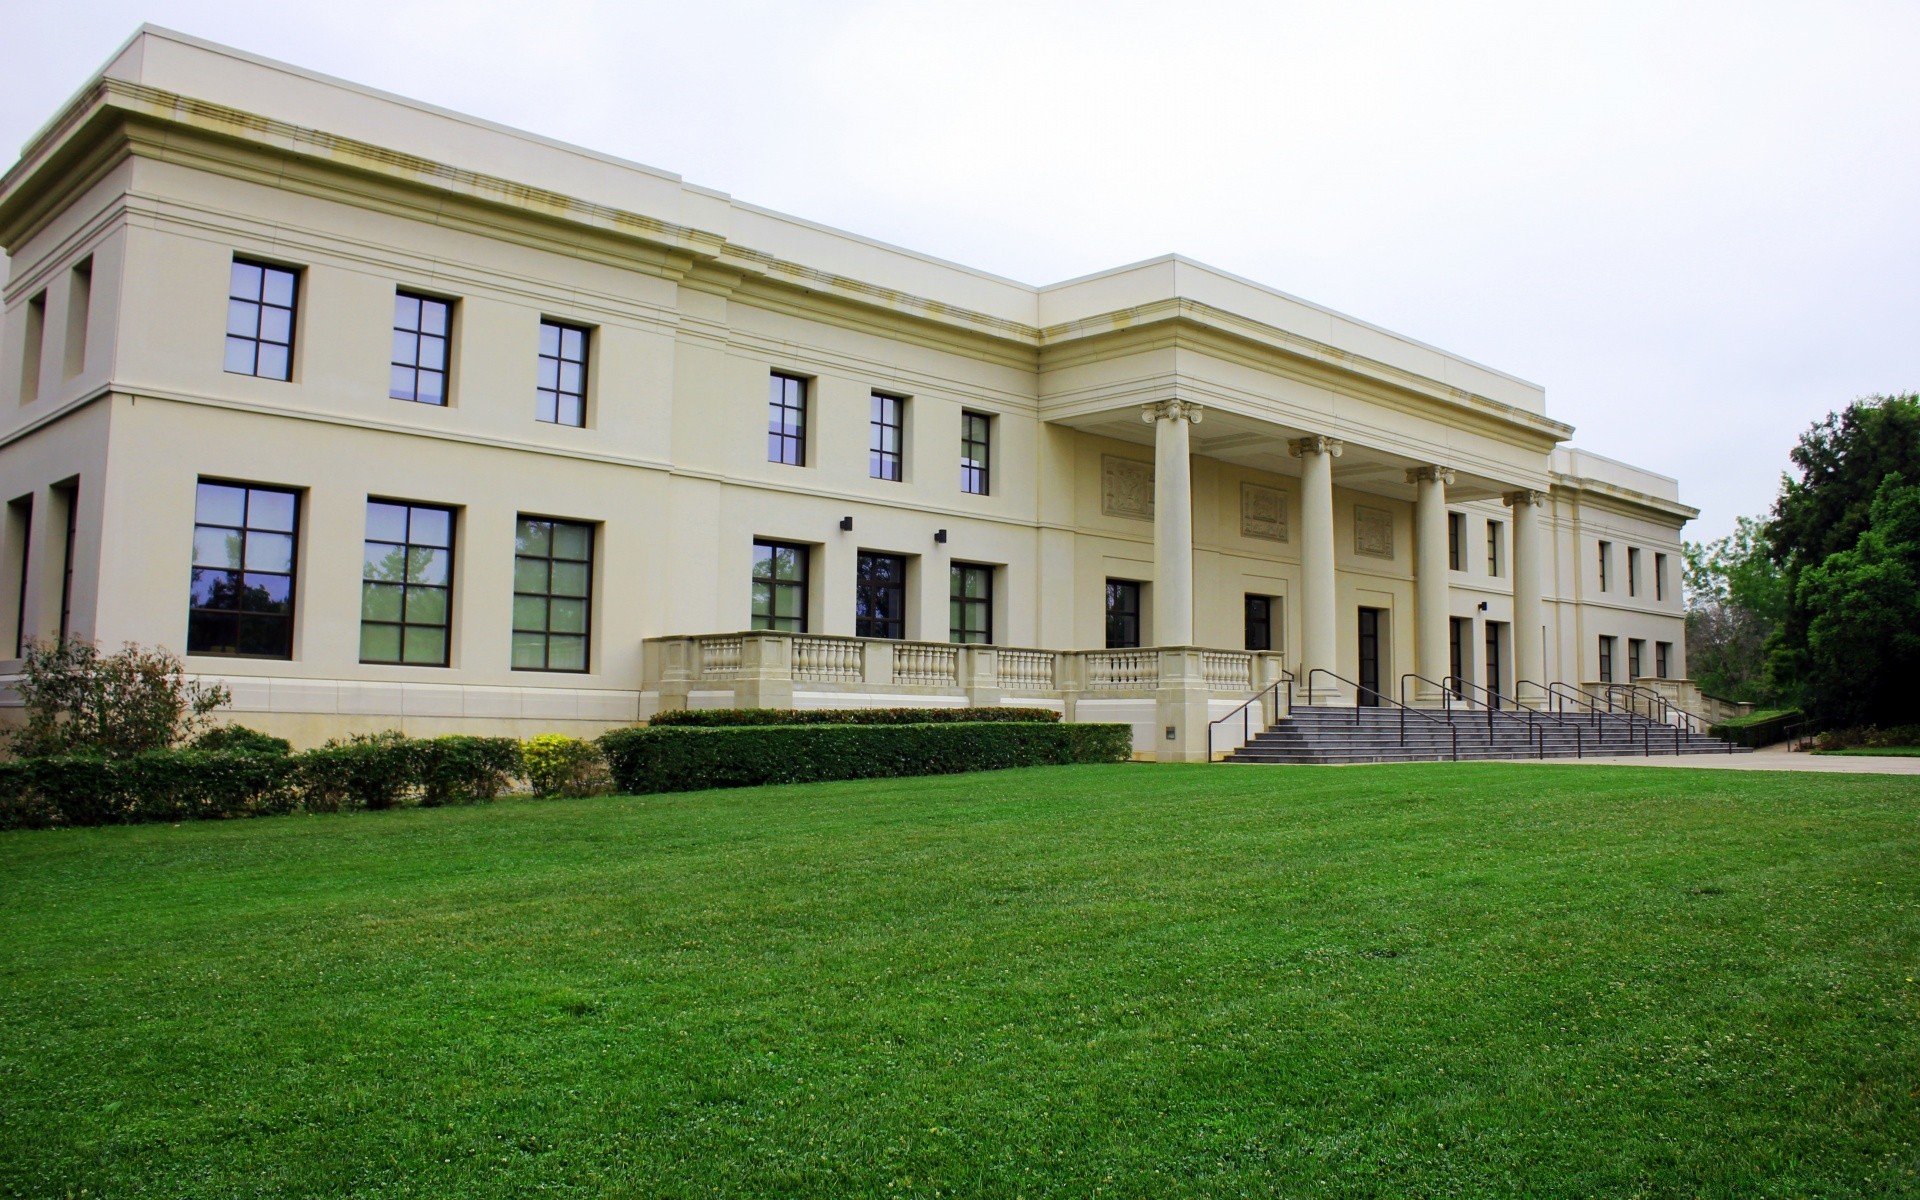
<point x="1585" y="490"/>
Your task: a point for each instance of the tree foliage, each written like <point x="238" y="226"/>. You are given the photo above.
<point x="1736" y="594"/>
<point x="1863" y="637"/>
<point x="81" y="701"/>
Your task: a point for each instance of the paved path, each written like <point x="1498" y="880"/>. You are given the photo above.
<point x="1773" y="758"/>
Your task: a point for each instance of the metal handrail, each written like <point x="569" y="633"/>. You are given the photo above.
<point x="1457" y="681"/>
<point x="1690" y="722"/>
<point x="1378" y="695"/>
<point x="1245" y="711"/>
<point x="1563" y="692"/>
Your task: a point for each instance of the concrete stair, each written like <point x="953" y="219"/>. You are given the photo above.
<point x="1321" y="734"/>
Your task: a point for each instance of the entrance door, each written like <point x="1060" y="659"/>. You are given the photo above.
<point x="1370" y="622"/>
<point x="1493" y="661"/>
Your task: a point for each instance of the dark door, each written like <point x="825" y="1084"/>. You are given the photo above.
<point x="1458" y="631"/>
<point x="1493" y="662"/>
<point x="1370" y="657"/>
<point x="1259" y="622"/>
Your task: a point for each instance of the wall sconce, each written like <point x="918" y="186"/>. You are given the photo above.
<point x="1483" y="606"/>
<point x="940" y="536"/>
<point x="846" y="524"/>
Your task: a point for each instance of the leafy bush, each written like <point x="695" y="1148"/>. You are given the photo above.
<point x="367" y="770"/>
<point x="723" y="717"/>
<point x="241" y="740"/>
<point x="558" y="765"/>
<point x="458" y="769"/>
<point x="158" y="785"/>
<point x="1870" y="738"/>
<point x="80" y="701"/>
<point x="1768" y="729"/>
<point x="655" y="759"/>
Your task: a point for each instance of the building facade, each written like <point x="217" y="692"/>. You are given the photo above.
<point x="386" y="416"/>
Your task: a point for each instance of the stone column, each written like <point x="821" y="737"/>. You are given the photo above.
<point x="1316" y="455"/>
<point x="1430" y="566"/>
<point x="1172" y="521"/>
<point x="1529" y="607"/>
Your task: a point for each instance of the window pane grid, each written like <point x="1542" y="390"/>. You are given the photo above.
<point x="780" y="586"/>
<point x="552" y="595"/>
<point x="406" y="590"/>
<point x="970" y="604"/>
<point x="975" y="435"/>
<point x="563" y="374"/>
<point x="421" y="327"/>
<point x="260" y="311"/>
<point x="880" y="597"/>
<point x="1123" y="614"/>
<point x="884" y="437"/>
<point x="787" y="420"/>
<point x="241" y="598"/>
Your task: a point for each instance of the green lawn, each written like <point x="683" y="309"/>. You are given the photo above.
<point x="1461" y="980"/>
<point x="1877" y="752"/>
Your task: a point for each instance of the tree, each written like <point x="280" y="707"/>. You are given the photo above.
<point x="1863" y="641"/>
<point x="1735" y="597"/>
<point x="80" y="701"/>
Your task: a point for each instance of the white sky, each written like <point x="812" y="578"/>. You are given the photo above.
<point x="1697" y="224"/>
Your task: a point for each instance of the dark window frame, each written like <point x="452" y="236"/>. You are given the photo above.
<point x="547" y="633"/>
<point x="1633" y="570"/>
<point x="1636" y="658"/>
<point x="801" y="584"/>
<point x="787" y="397"/>
<point x="1606" y="658"/>
<point x="1496" y="531"/>
<point x="962" y="609"/>
<point x="239" y="614"/>
<point x="873" y="617"/>
<point x="1123" y="620"/>
<point x="1606" y="553"/>
<point x="548" y="399"/>
<point x="70" y="492"/>
<point x="1256" y="612"/>
<point x="249" y="344"/>
<point x="1659" y="577"/>
<point x="25" y="503"/>
<point x="407" y="586"/>
<point x="887" y="437"/>
<point x="416" y="370"/>
<point x="976" y="452"/>
<point x="1456" y="541"/>
<point x="1662" y="659"/>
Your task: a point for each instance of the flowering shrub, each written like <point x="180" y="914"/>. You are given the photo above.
<point x="558" y="765"/>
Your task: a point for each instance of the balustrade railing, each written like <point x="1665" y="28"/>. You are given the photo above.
<point x="1025" y="669"/>
<point x="926" y="663"/>
<point x="828" y="660"/>
<point x="719" y="657"/>
<point x="1227" y="670"/>
<point x="1121" y="670"/>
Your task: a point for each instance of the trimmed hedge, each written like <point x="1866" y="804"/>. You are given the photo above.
<point x="716" y="718"/>
<point x="655" y="759"/>
<point x="458" y="769"/>
<point x="1763" y="732"/>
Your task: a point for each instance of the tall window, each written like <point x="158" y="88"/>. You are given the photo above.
<point x="880" y="596"/>
<point x="421" y="327"/>
<point x="787" y="420"/>
<point x="1662" y="658"/>
<point x="780" y="587"/>
<point x="243" y="567"/>
<point x="406" y="593"/>
<point x="69" y="497"/>
<point x="1259" y="621"/>
<point x="79" y="304"/>
<point x="1606" y="660"/>
<point x="1123" y="614"/>
<point x="1496" y="541"/>
<point x="20" y="533"/>
<point x="30" y="356"/>
<point x="260" y="304"/>
<point x="1456" y="541"/>
<point x="884" y="427"/>
<point x="1636" y="654"/>
<point x="976" y="447"/>
<point x="970" y="603"/>
<point x="1633" y="570"/>
<point x="552" y="594"/>
<point x="1606" y="557"/>
<point x="1660" y="577"/>
<point x="563" y="374"/>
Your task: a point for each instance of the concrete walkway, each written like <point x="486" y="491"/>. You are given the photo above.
<point x="1773" y="758"/>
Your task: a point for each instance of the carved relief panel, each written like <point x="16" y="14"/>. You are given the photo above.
<point x="1372" y="532"/>
<point x="1263" y="512"/>
<point x="1126" y="488"/>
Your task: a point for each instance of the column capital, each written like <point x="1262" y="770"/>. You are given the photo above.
<point x="1525" y="497"/>
<point x="1171" y="410"/>
<point x="1317" y="444"/>
<point x="1430" y="474"/>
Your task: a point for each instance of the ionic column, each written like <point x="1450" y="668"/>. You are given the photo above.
<point x="1529" y="608"/>
<point x="1172" y="521"/>
<point x="1316" y="455"/>
<point x="1430" y="605"/>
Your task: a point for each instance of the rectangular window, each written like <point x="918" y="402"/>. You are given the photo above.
<point x="880" y="596"/>
<point x="79" y="301"/>
<point x="552" y="594"/>
<point x="970" y="604"/>
<point x="1662" y="658"/>
<point x="245" y="540"/>
<point x="30" y="350"/>
<point x="68" y="495"/>
<point x="1456" y="541"/>
<point x="1123" y="614"/>
<point x="780" y="586"/>
<point x="1606" y="556"/>
<point x="1606" y="660"/>
<point x="1636" y="655"/>
<point x="787" y="420"/>
<point x="1496" y="545"/>
<point x="563" y="374"/>
<point x="260" y="310"/>
<point x="976" y="448"/>
<point x="1660" y="577"/>
<point x="406" y="590"/>
<point x="20" y="533"/>
<point x="884" y="428"/>
<point x="1633" y="570"/>
<point x="1260" y="612"/>
<point x="421" y="329"/>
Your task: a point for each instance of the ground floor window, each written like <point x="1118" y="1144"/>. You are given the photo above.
<point x="780" y="586"/>
<point x="552" y="594"/>
<point x="241" y="600"/>
<point x="880" y="596"/>
<point x="1260" y="612"/>
<point x="1606" y="660"/>
<point x="970" y="603"/>
<point x="406" y="589"/>
<point x="1123" y="614"/>
<point x="1636" y="656"/>
<point x="1662" y="658"/>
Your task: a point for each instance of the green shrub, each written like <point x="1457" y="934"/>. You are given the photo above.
<point x="558" y="765"/>
<point x="711" y="718"/>
<point x="241" y="740"/>
<point x="1759" y="729"/>
<point x="655" y="759"/>
<point x="159" y="785"/>
<point x="457" y="769"/>
<point x="367" y="770"/>
<point x="1870" y="738"/>
<point x="80" y="701"/>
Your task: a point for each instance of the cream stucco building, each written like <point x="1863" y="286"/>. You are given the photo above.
<point x="384" y="415"/>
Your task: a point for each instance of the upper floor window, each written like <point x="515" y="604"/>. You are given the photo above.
<point x="552" y="594"/>
<point x="1660" y="578"/>
<point x="1606" y="560"/>
<point x="1633" y="570"/>
<point x="260" y="307"/>
<point x="563" y="374"/>
<point x="421" y="329"/>
<point x="884" y="428"/>
<point x="880" y="596"/>
<point x="30" y="349"/>
<point x="976" y="447"/>
<point x="780" y="586"/>
<point x="970" y="604"/>
<point x="244" y="546"/>
<point x="1456" y="541"/>
<point x="1123" y="614"/>
<point x="406" y="590"/>
<point x="1496" y="543"/>
<point x="787" y="420"/>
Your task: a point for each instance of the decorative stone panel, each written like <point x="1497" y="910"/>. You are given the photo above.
<point x="1372" y="532"/>
<point x="1126" y="488"/>
<point x="1263" y="512"/>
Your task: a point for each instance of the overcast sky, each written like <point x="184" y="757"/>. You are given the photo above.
<point x="1696" y="224"/>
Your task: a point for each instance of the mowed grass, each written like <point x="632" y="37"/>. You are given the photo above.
<point x="1457" y="979"/>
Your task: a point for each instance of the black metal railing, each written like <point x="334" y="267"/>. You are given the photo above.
<point x="1360" y="692"/>
<point x="1245" y="711"/>
<point x="1669" y="713"/>
<point x="1533" y="717"/>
